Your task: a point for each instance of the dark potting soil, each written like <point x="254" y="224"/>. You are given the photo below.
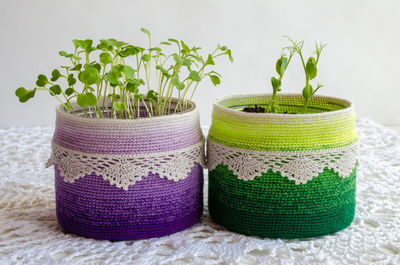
<point x="258" y="109"/>
<point x="255" y="109"/>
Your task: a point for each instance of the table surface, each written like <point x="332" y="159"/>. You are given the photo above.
<point x="30" y="234"/>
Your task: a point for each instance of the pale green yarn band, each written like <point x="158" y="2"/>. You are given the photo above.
<point x="329" y="122"/>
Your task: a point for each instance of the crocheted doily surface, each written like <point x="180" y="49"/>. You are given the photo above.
<point x="29" y="233"/>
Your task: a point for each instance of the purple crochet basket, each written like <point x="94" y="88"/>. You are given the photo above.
<point x="121" y="179"/>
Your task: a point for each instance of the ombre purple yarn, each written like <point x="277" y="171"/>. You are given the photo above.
<point x="153" y="207"/>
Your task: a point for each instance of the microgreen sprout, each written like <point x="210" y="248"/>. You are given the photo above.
<point x="280" y="66"/>
<point x="109" y="87"/>
<point x="310" y="68"/>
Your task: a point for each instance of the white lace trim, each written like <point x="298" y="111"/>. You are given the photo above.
<point x="300" y="166"/>
<point x="124" y="170"/>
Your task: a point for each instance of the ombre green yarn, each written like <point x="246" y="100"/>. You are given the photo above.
<point x="308" y="159"/>
<point x="273" y="206"/>
<point x="328" y="123"/>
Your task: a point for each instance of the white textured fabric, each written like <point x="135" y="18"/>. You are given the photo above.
<point x="29" y="233"/>
<point x="300" y="166"/>
<point x="123" y="170"/>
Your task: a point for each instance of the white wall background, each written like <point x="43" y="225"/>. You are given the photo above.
<point x="361" y="62"/>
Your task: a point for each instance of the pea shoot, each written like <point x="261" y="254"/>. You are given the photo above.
<point x="280" y="66"/>
<point x="310" y="68"/>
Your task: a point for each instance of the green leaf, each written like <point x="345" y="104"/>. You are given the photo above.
<point x="182" y="61"/>
<point x="187" y="63"/>
<point x="157" y="49"/>
<point x="177" y="58"/>
<point x="91" y="99"/>
<point x="95" y="65"/>
<point x="114" y="96"/>
<point x="86" y="99"/>
<point x="24" y="95"/>
<point x="215" y="80"/>
<point x="113" y="79"/>
<point x="163" y="71"/>
<point x="55" y="74"/>
<point x="146" y="57"/>
<point x="87" y="45"/>
<point x="311" y="68"/>
<point x="65" y="54"/>
<point x="41" y="80"/>
<point x="281" y="65"/>
<point x="89" y="76"/>
<point x="118" y="106"/>
<point x="224" y="48"/>
<point x="81" y="100"/>
<point x="105" y="58"/>
<point x="113" y="42"/>
<point x="210" y="60"/>
<point x="229" y="55"/>
<point x="145" y="31"/>
<point x="165" y="43"/>
<point x="20" y="91"/>
<point x="81" y="43"/>
<point x="129" y="50"/>
<point x="139" y="96"/>
<point x="178" y="84"/>
<point x="30" y="94"/>
<point x="128" y="71"/>
<point x="75" y="42"/>
<point x="69" y="55"/>
<point x="132" y="85"/>
<point x="71" y="80"/>
<point x="104" y="47"/>
<point x="276" y="83"/>
<point x="194" y="75"/>
<point x="174" y="40"/>
<point x="55" y="90"/>
<point x="152" y="96"/>
<point x="308" y="92"/>
<point x="69" y="91"/>
<point x="77" y="67"/>
<point x="117" y="68"/>
<point x="185" y="48"/>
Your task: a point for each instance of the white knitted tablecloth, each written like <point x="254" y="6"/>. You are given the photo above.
<point x="30" y="234"/>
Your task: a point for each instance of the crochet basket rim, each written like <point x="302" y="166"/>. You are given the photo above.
<point x="218" y="105"/>
<point x="192" y="110"/>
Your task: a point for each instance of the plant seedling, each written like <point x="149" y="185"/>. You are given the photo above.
<point x="280" y="66"/>
<point x="104" y="85"/>
<point x="310" y="68"/>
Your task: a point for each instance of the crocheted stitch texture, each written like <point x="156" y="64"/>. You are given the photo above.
<point x="282" y="175"/>
<point x="30" y="234"/>
<point x="128" y="179"/>
<point x="300" y="166"/>
<point x="272" y="206"/>
<point x="331" y="123"/>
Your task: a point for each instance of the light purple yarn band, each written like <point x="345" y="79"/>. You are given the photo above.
<point x="118" y="136"/>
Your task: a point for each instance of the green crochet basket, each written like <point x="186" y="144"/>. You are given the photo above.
<point x="282" y="175"/>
